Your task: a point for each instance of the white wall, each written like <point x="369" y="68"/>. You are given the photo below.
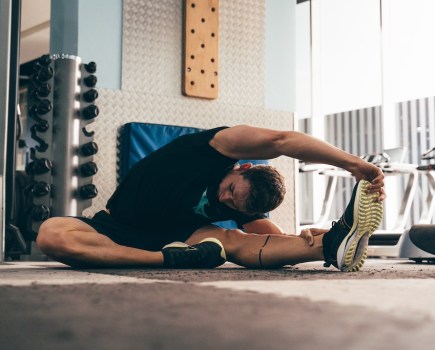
<point x="103" y="43"/>
<point x="303" y="60"/>
<point x="91" y="30"/>
<point x="280" y="55"/>
<point x="410" y="41"/>
<point x="350" y="54"/>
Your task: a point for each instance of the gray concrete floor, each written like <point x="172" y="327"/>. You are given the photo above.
<point x="390" y="304"/>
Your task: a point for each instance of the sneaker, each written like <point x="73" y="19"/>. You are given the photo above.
<point x="208" y="253"/>
<point x="345" y="245"/>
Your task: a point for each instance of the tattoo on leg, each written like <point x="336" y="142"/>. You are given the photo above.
<point x="261" y="251"/>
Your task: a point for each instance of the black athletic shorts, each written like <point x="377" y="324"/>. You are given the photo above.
<point x="124" y="235"/>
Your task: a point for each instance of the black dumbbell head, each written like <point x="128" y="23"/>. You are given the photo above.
<point x="43" y="90"/>
<point x="91" y="67"/>
<point x="88" y="191"/>
<point x="39" y="166"/>
<point x="41" y="189"/>
<point x="88" y="169"/>
<point x="89" y="149"/>
<point x="90" y="112"/>
<point x="90" y="95"/>
<point x="90" y="81"/>
<point x="40" y="212"/>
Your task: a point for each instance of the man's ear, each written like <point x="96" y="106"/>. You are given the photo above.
<point x="245" y="166"/>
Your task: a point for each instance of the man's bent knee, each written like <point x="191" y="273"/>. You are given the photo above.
<point x="232" y="237"/>
<point x="52" y="237"/>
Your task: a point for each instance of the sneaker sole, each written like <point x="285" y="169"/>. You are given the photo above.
<point x="175" y="245"/>
<point x="367" y="213"/>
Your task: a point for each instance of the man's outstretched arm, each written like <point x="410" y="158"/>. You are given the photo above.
<point x="247" y="142"/>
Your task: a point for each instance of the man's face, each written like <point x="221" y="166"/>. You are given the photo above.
<point x="233" y="191"/>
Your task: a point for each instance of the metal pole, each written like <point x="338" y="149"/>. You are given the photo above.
<point x="5" y="39"/>
<point x="11" y="145"/>
<point x="66" y="80"/>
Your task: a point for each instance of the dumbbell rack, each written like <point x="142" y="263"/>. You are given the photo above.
<point x="61" y="106"/>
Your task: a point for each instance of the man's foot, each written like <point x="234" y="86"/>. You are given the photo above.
<point x="345" y="245"/>
<point x="207" y="254"/>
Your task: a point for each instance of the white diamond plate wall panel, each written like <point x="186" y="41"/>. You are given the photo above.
<point x="152" y="49"/>
<point x="242" y="51"/>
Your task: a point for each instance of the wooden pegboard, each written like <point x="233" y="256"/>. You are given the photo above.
<point x="201" y="39"/>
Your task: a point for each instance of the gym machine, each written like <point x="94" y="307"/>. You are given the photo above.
<point x="383" y="243"/>
<point x="332" y="174"/>
<point x="58" y="178"/>
<point x="418" y="243"/>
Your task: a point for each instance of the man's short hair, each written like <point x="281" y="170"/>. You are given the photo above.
<point x="267" y="188"/>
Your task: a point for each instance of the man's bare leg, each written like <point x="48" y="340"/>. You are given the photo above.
<point x="262" y="251"/>
<point x="75" y="243"/>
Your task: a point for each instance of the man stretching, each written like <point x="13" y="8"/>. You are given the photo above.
<point x="162" y="213"/>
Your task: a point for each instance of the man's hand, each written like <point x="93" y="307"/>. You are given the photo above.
<point x="370" y="172"/>
<point x="309" y="233"/>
